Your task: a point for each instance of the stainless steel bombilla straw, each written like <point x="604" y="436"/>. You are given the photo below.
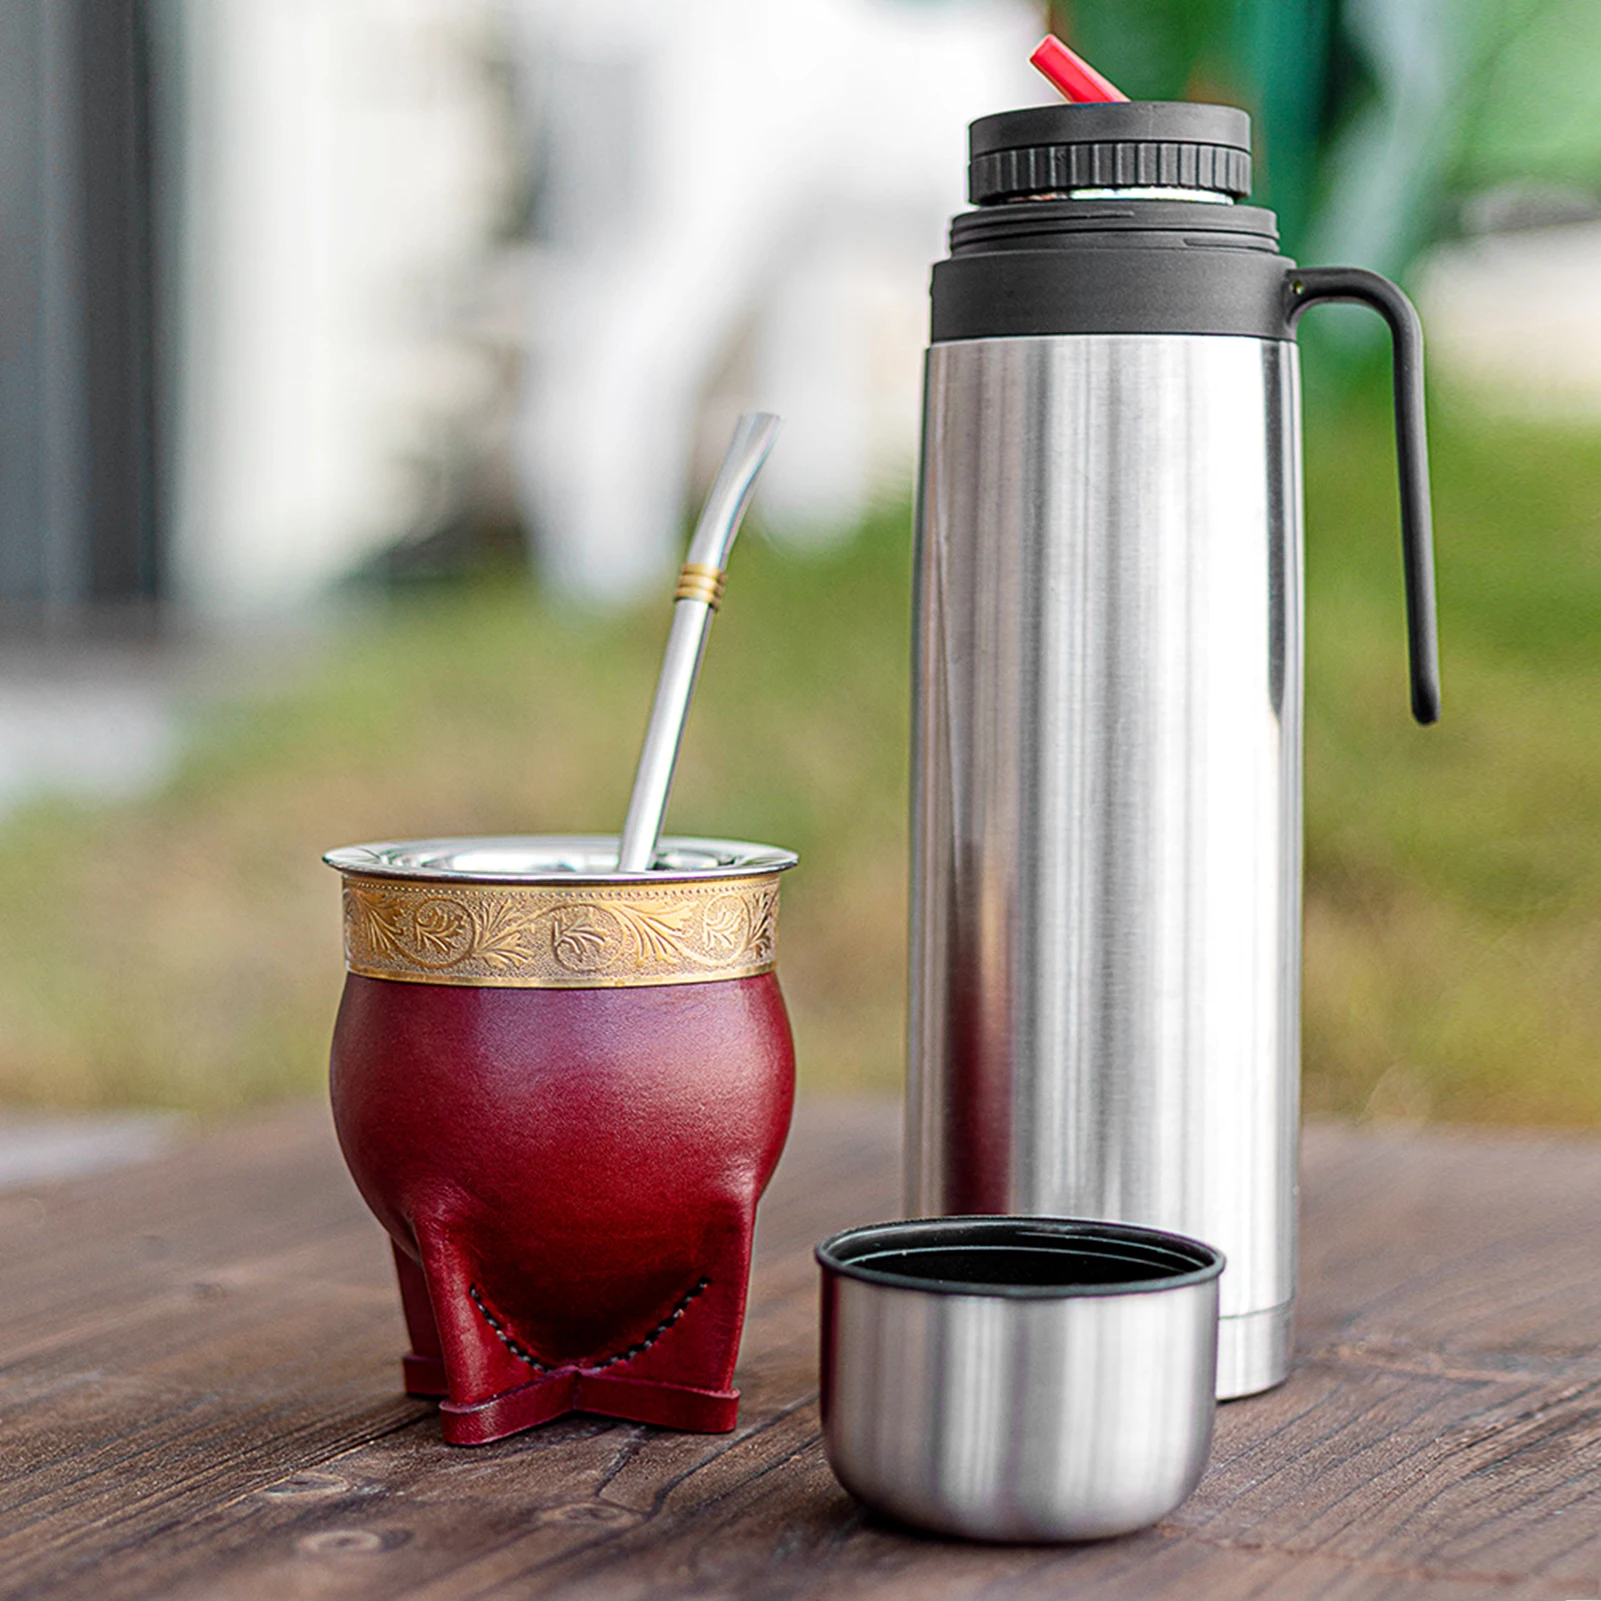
<point x="700" y="590"/>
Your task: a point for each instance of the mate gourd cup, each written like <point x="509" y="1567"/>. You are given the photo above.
<point x="562" y="1089"/>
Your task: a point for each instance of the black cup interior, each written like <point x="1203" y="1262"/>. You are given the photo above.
<point x="1019" y="1256"/>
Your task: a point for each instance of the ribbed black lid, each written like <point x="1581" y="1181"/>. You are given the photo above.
<point x="1169" y="144"/>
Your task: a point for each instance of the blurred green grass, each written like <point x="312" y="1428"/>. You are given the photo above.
<point x="184" y="950"/>
<point x="1453" y="928"/>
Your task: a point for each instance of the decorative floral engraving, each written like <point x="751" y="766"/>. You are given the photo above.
<point x="442" y="931"/>
<point x="661" y="931"/>
<point x="727" y="923"/>
<point x="501" y="935"/>
<point x="763" y="940"/>
<point x="544" y="936"/>
<point x="579" y="938"/>
<point x="385" y="923"/>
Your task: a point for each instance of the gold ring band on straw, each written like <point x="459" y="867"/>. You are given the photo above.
<point x="696" y="582"/>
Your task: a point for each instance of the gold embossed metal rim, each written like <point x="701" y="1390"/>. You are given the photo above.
<point x="561" y="928"/>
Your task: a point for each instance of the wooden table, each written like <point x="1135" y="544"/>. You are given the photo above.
<point x="198" y="1399"/>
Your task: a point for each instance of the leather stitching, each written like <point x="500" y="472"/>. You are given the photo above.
<point x="657" y="1332"/>
<point x="501" y="1334"/>
<point x="522" y="1355"/>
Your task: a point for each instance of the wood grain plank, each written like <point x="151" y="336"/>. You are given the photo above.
<point x="215" y="1414"/>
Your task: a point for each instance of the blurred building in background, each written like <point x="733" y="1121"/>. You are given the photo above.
<point x="291" y="282"/>
<point x="293" y="288"/>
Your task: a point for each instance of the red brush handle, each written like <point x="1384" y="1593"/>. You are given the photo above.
<point x="1072" y="74"/>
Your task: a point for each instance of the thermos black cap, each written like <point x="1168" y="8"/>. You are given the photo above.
<point x="1168" y="144"/>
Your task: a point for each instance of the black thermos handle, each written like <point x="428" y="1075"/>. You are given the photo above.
<point x="1307" y="288"/>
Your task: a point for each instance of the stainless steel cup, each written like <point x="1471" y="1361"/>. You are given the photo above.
<point x="1018" y="1378"/>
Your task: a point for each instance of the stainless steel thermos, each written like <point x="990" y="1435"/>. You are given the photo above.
<point x="1105" y="969"/>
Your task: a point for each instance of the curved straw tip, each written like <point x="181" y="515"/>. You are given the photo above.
<point x="760" y="424"/>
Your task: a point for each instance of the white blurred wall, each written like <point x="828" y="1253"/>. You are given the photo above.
<point x="1516" y="316"/>
<point x="342" y="169"/>
<point x="741" y="200"/>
